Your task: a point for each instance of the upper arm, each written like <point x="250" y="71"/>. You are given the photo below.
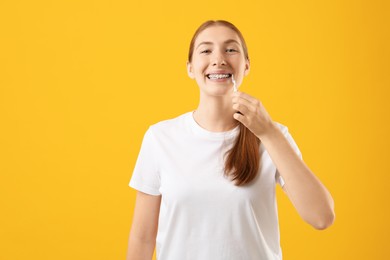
<point x="145" y="217"/>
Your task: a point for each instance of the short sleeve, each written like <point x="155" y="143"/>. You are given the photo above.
<point x="290" y="139"/>
<point x="146" y="177"/>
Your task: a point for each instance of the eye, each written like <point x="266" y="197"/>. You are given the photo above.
<point x="231" y="50"/>
<point x="205" y="51"/>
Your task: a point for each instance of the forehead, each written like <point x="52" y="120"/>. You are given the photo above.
<point x="217" y="34"/>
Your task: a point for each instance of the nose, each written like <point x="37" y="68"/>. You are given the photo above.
<point x="218" y="59"/>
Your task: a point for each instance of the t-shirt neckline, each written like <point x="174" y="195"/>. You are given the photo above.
<point x="200" y="131"/>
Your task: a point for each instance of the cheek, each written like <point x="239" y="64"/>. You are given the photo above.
<point x="243" y="67"/>
<point x="200" y="64"/>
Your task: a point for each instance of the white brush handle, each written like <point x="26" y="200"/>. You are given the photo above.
<point x="234" y="84"/>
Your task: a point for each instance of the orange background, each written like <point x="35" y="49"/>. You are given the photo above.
<point x="80" y="82"/>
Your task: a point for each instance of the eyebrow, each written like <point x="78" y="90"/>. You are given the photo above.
<point x="225" y="42"/>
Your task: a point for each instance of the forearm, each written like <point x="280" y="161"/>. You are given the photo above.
<point x="309" y="196"/>
<point x="140" y="250"/>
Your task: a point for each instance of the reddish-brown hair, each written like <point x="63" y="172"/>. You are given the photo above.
<point x="243" y="159"/>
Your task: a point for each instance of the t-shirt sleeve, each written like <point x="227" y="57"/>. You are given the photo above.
<point x="286" y="133"/>
<point x="146" y="177"/>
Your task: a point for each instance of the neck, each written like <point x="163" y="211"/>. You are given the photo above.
<point x="215" y="114"/>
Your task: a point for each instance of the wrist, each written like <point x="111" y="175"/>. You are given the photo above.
<point x="271" y="130"/>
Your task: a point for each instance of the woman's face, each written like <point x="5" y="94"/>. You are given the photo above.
<point x="217" y="55"/>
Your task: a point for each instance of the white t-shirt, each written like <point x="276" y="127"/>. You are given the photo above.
<point x="203" y="215"/>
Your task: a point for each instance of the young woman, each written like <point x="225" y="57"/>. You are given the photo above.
<point x="206" y="179"/>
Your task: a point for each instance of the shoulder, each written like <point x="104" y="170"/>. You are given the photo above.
<point x="168" y="125"/>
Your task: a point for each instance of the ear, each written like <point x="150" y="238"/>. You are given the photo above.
<point x="247" y="67"/>
<point x="190" y="70"/>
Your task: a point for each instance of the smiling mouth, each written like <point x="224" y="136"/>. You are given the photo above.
<point x="218" y="76"/>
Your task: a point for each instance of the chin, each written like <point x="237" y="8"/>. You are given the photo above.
<point x="216" y="91"/>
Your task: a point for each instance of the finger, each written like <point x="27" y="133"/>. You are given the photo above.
<point x="241" y="108"/>
<point x="245" y="96"/>
<point x="251" y="107"/>
<point x="241" y="118"/>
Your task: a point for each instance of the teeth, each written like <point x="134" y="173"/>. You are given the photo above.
<point x="218" y="76"/>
